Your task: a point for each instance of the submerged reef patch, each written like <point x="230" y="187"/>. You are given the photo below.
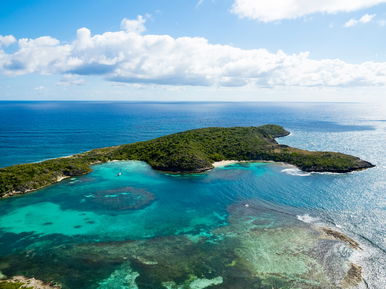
<point x="127" y="198"/>
<point x="194" y="283"/>
<point x="123" y="277"/>
<point x="339" y="236"/>
<point x="353" y="277"/>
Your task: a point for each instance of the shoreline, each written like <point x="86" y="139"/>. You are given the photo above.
<point x="225" y="163"/>
<point x="19" y="193"/>
<point x="217" y="164"/>
<point x="32" y="283"/>
<point x="171" y="153"/>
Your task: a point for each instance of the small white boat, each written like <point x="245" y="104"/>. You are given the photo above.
<point x="119" y="174"/>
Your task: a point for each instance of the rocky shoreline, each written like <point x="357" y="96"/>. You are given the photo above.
<point x="22" y="282"/>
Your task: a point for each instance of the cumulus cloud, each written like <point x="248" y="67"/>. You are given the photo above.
<point x="273" y="10"/>
<point x="136" y="25"/>
<point x="350" y="23"/>
<point x="40" y="55"/>
<point x="128" y="56"/>
<point x="364" y="19"/>
<point x="7" y="40"/>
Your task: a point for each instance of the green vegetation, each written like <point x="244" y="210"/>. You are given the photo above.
<point x="189" y="151"/>
<point x="13" y="285"/>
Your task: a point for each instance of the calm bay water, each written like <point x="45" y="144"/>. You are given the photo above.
<point x="242" y="226"/>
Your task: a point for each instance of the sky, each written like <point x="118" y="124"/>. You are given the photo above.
<point x="193" y="50"/>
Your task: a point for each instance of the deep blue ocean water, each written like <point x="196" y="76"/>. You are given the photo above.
<point x="282" y="208"/>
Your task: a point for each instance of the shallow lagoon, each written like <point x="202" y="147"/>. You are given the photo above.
<point x="232" y="227"/>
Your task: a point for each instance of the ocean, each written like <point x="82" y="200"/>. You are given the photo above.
<point x="246" y="225"/>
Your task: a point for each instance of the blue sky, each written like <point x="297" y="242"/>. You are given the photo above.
<point x="246" y="51"/>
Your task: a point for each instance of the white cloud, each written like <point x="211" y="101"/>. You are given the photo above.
<point x="273" y="10"/>
<point x="364" y="19"/>
<point x="41" y="55"/>
<point x="7" y="40"/>
<point x="130" y="57"/>
<point x="136" y="25"/>
<point x="350" y="23"/>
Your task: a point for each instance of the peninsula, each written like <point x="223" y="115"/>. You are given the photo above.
<point x="190" y="151"/>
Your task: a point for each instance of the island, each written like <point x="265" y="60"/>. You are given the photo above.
<point x="190" y="151"/>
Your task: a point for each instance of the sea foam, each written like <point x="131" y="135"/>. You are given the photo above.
<point x="295" y="172"/>
<point x="307" y="218"/>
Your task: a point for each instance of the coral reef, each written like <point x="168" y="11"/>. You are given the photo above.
<point x="127" y="198"/>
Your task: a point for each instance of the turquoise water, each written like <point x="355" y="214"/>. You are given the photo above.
<point x="247" y="225"/>
<point x="244" y="215"/>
